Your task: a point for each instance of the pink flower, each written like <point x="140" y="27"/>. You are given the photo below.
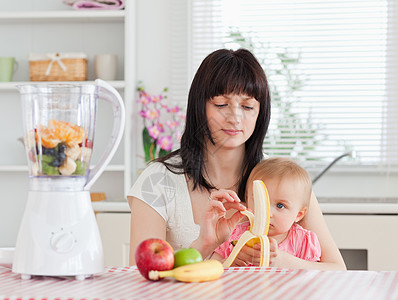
<point x="154" y="131"/>
<point x="165" y="143"/>
<point x="156" y="99"/>
<point x="160" y="126"/>
<point x="181" y="116"/>
<point x="172" y="124"/>
<point x="142" y="113"/>
<point x="150" y="114"/>
<point x="143" y="100"/>
<point x="162" y="123"/>
<point x="178" y="135"/>
<point x="175" y="109"/>
<point x="143" y="93"/>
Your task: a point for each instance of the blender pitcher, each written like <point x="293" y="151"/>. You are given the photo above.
<point x="58" y="235"/>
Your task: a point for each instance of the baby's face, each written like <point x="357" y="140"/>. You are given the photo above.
<point x="287" y="198"/>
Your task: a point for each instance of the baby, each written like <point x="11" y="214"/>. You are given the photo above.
<point x="289" y="188"/>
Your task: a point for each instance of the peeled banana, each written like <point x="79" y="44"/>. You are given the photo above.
<point x="259" y="225"/>
<point x="197" y="272"/>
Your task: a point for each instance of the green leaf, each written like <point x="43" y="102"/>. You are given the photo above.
<point x="149" y="145"/>
<point x="163" y="152"/>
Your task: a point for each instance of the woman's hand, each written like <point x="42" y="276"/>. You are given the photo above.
<point x="216" y="227"/>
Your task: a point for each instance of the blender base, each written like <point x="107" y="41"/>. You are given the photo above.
<point x="77" y="277"/>
<point x="58" y="236"/>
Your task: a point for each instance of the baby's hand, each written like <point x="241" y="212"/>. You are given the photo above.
<point x="248" y="256"/>
<point x="273" y="251"/>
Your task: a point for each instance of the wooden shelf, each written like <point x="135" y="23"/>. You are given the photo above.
<point x="49" y="26"/>
<point x="24" y="168"/>
<point x="67" y="15"/>
<point x="11" y="86"/>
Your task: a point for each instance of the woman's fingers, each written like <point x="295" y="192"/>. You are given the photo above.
<point x="224" y="200"/>
<point x="235" y="218"/>
<point x="227" y="195"/>
<point x="234" y="205"/>
<point x="217" y="205"/>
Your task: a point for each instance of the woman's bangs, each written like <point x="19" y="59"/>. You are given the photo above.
<point x="235" y="83"/>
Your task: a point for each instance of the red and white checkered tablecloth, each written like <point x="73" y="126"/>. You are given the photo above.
<point x="235" y="283"/>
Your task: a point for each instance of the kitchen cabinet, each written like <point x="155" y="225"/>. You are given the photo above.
<point x="115" y="235"/>
<point x="46" y="26"/>
<point x="374" y="235"/>
<point x="365" y="240"/>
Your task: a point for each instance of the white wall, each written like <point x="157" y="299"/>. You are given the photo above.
<point x="154" y="44"/>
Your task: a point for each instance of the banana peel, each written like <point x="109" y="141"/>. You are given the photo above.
<point x="259" y="226"/>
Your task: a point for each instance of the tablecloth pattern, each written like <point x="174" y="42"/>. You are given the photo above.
<point x="235" y="283"/>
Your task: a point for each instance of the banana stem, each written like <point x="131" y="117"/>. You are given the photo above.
<point x="163" y="274"/>
<point x="156" y="275"/>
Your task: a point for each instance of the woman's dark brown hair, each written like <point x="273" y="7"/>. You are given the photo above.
<point x="222" y="72"/>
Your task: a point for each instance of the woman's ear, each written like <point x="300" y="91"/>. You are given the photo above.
<point x="301" y="214"/>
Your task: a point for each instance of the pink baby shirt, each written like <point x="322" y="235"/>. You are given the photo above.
<point x="299" y="242"/>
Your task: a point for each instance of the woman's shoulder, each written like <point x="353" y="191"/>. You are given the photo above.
<point x="156" y="166"/>
<point x="153" y="166"/>
<point x="158" y="187"/>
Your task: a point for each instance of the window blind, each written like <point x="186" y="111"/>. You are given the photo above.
<point x="331" y="65"/>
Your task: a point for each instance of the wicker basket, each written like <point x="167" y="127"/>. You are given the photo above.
<point x="58" y="67"/>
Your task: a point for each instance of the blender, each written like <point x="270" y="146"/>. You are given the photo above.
<point x="58" y="235"/>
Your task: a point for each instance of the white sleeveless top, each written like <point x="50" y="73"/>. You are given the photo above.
<point x="167" y="193"/>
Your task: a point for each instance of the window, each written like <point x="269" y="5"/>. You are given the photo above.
<point x="331" y="66"/>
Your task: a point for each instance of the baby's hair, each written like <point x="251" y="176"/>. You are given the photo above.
<point x="280" y="167"/>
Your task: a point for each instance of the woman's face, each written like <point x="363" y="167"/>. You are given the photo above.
<point x="231" y="119"/>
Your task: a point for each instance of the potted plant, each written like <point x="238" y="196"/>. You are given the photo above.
<point x="163" y="123"/>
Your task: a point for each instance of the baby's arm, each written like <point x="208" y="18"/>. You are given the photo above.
<point x="217" y="256"/>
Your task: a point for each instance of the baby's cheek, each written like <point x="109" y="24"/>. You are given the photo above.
<point x="250" y="202"/>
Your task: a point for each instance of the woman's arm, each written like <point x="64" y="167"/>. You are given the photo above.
<point x="331" y="258"/>
<point x="145" y="223"/>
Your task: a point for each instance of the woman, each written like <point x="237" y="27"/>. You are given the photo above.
<point x="184" y="197"/>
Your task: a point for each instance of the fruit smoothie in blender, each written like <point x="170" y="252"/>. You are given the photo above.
<point x="58" y="235"/>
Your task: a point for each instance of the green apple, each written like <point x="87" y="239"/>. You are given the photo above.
<point x="186" y="256"/>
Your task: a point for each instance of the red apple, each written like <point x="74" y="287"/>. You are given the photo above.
<point x="154" y="255"/>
